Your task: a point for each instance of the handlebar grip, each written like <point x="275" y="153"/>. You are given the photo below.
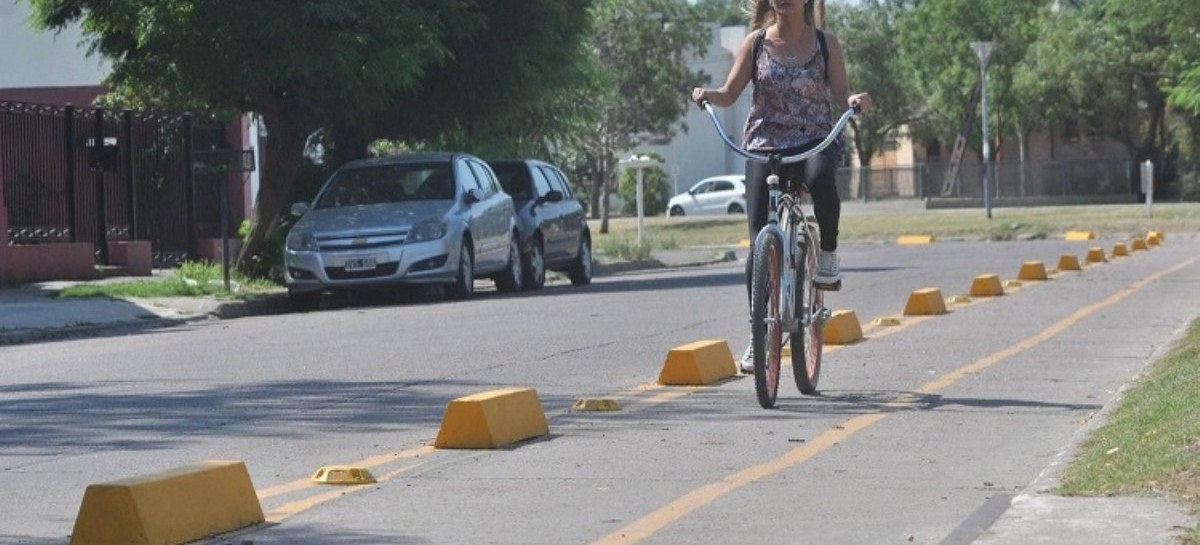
<point x="703" y="103"/>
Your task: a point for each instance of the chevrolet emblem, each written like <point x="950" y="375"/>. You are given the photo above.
<point x="362" y="241"/>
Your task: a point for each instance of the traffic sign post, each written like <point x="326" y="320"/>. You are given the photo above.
<point x="224" y="161"/>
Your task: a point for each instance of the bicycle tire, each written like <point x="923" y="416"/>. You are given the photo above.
<point x="808" y="343"/>
<point x="766" y="326"/>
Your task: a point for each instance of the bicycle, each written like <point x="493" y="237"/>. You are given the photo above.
<point x="784" y="259"/>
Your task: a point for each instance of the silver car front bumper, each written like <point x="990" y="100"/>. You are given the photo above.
<point x="434" y="261"/>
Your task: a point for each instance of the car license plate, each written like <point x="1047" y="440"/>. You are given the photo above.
<point x="360" y="264"/>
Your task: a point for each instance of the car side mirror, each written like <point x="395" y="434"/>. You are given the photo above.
<point x="473" y="196"/>
<point x="553" y="195"/>
<point x="299" y="209"/>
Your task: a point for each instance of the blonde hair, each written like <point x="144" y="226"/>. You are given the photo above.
<point x="761" y="14"/>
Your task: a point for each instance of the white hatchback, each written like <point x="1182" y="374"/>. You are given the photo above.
<point x="716" y="195"/>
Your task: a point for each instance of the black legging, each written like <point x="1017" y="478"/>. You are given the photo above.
<point x="820" y="173"/>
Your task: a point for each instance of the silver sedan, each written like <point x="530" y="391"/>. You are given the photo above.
<point x="438" y="218"/>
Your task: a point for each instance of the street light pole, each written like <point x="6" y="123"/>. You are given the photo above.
<point x="639" y="162"/>
<point x="983" y="51"/>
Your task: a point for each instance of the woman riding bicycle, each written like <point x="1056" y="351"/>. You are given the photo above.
<point x="797" y="70"/>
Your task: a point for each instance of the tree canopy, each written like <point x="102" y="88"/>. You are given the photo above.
<point x="935" y="38"/>
<point x="640" y="85"/>
<point x="408" y="68"/>
<point x="869" y="38"/>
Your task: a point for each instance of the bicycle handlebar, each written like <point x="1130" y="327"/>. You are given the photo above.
<point x="833" y="134"/>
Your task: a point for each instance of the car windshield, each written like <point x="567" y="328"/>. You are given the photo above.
<point x="514" y="178"/>
<point x="379" y="184"/>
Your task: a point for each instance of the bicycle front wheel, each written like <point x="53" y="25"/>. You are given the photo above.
<point x="808" y="343"/>
<point x="765" y="320"/>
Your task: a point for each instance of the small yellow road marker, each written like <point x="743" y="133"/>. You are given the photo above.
<point x="347" y="475"/>
<point x="595" y="405"/>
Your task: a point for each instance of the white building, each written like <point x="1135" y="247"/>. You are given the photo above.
<point x="699" y="153"/>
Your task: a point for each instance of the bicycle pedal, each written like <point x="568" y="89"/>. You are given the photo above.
<point x="836" y="286"/>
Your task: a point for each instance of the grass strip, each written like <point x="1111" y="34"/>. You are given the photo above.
<point x="192" y="279"/>
<point x="876" y="223"/>
<point x="1151" y="442"/>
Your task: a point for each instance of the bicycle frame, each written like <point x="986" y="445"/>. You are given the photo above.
<point x="775" y="283"/>
<point x="781" y="205"/>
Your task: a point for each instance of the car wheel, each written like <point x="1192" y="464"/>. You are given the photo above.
<point x="535" y="266"/>
<point x="677" y="210"/>
<point x="735" y="208"/>
<point x="580" y="272"/>
<point x="464" y="285"/>
<point x="510" y="279"/>
<point x="304" y="301"/>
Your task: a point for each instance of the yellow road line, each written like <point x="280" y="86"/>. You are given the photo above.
<point x="707" y="494"/>
<point x="369" y="463"/>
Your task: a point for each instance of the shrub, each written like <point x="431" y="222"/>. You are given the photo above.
<point x="1189" y="186"/>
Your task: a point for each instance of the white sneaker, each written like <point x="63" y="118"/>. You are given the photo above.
<point x="829" y="270"/>
<point x="747" y="363"/>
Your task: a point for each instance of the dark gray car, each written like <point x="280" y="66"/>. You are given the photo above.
<point x="552" y="224"/>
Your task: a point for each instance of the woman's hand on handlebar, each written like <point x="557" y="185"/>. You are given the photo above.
<point x="700" y="96"/>
<point x="860" y="102"/>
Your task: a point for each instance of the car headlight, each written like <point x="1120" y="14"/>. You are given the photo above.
<point x="427" y="230"/>
<point x="301" y="241"/>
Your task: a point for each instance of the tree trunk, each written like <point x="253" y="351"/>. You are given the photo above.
<point x="604" y="192"/>
<point x="594" y="194"/>
<point x="1023" y="145"/>
<point x="285" y="151"/>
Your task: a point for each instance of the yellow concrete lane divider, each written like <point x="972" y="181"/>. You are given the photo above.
<point x="1156" y="235"/>
<point x="1119" y="250"/>
<point x="175" y="506"/>
<point x="926" y="301"/>
<point x="915" y="239"/>
<point x="842" y="327"/>
<point x="1069" y="262"/>
<point x="986" y="285"/>
<point x="1032" y="271"/>
<point x="1080" y="235"/>
<point x="1139" y="243"/>
<point x="1096" y="255"/>
<point x="698" y="364"/>
<point x="492" y="419"/>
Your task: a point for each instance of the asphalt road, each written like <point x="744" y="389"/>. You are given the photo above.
<point x="918" y="426"/>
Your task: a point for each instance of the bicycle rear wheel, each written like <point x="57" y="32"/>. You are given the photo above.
<point x="766" y="325"/>
<point x="808" y="343"/>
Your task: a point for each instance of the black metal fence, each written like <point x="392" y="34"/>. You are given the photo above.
<point x="80" y="174"/>
<point x="1072" y="178"/>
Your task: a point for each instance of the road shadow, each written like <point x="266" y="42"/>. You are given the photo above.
<point x="53" y="418"/>
<point x="889" y="401"/>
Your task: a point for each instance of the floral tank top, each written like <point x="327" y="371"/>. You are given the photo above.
<point x="791" y="105"/>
